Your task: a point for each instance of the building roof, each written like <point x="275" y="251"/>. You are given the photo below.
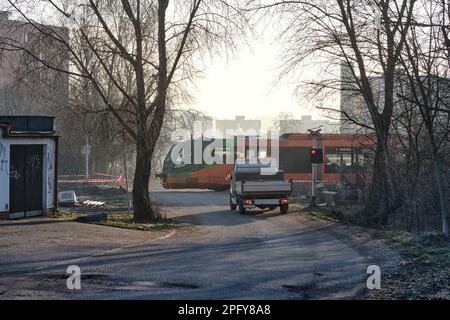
<point x="27" y="125"/>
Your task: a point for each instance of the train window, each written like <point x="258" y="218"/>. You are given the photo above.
<point x="338" y="160"/>
<point x="362" y="157"/>
<point x="295" y="160"/>
<point x="346" y="160"/>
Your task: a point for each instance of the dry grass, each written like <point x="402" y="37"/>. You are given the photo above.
<point x="117" y="220"/>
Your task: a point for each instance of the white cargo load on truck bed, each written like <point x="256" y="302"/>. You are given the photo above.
<point x="247" y="187"/>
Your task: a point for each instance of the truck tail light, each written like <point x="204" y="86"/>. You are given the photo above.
<point x="248" y="202"/>
<point x="284" y="201"/>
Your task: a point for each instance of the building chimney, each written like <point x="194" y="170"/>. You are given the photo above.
<point x="4" y="15"/>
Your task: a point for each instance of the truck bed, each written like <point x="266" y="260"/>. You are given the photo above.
<point x="255" y="187"/>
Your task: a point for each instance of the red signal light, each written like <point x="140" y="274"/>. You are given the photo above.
<point x="316" y="155"/>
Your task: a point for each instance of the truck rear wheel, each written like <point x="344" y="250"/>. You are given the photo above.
<point x="241" y="207"/>
<point x="232" y="205"/>
<point x="284" y="208"/>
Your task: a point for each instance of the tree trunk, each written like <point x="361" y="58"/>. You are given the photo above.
<point x="442" y="190"/>
<point x="148" y="136"/>
<point x="143" y="211"/>
<point x="380" y="202"/>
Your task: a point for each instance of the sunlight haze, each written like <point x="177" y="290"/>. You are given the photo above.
<point x="246" y="85"/>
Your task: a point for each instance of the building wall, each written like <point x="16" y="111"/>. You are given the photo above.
<point x="48" y="161"/>
<point x="306" y="122"/>
<point x="351" y="99"/>
<point x="239" y="124"/>
<point x="26" y="86"/>
<point x="353" y="103"/>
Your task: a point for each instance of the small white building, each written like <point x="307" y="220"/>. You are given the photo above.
<point x="28" y="166"/>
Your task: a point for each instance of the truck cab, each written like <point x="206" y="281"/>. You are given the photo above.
<point x="257" y="183"/>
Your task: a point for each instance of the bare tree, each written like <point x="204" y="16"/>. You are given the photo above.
<point x="284" y="122"/>
<point x="158" y="41"/>
<point x="445" y="25"/>
<point x="368" y="36"/>
<point x="426" y="71"/>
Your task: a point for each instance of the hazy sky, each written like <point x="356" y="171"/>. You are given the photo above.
<point x="245" y="85"/>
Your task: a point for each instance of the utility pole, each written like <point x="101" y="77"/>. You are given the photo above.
<point x="85" y="151"/>
<point x="124" y="159"/>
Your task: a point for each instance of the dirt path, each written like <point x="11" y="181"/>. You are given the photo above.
<point x="217" y="254"/>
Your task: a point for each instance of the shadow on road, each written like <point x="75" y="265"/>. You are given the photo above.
<point x="189" y="198"/>
<point x="226" y="218"/>
<point x="298" y="265"/>
<point x="19" y="223"/>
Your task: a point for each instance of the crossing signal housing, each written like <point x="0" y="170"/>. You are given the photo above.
<point x="316" y="155"/>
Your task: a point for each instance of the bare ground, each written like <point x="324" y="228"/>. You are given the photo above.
<point x="414" y="267"/>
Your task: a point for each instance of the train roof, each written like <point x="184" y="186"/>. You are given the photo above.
<point x="326" y="136"/>
<point x="299" y="136"/>
<point x="304" y="139"/>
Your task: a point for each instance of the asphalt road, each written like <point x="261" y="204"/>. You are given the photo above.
<point x="218" y="254"/>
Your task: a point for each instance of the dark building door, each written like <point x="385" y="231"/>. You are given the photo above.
<point x="26" y="178"/>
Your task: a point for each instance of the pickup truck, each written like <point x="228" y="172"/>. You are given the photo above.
<point x="254" y="184"/>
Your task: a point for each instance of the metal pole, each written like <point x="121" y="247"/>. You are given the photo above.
<point x="314" y="176"/>
<point x="315" y="144"/>
<point x="129" y="202"/>
<point x="87" y="158"/>
<point x="124" y="161"/>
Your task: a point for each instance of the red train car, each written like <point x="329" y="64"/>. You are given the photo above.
<point x="346" y="157"/>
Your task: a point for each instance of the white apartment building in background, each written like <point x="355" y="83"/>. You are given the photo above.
<point x="239" y="125"/>
<point x="305" y="123"/>
<point x="242" y="125"/>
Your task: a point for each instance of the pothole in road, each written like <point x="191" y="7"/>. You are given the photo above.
<point x="58" y="276"/>
<point x="138" y="286"/>
<point x="301" y="288"/>
<point x="57" y="282"/>
<point x="181" y="285"/>
<point x="145" y="285"/>
<point x="256" y="239"/>
<point x="119" y="284"/>
<point x="304" y="290"/>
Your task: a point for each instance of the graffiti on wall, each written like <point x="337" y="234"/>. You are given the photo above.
<point x="49" y="172"/>
<point x="34" y="162"/>
<point x="3" y="158"/>
<point x="14" y="174"/>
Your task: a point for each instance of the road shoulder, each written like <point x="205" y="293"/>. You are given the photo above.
<point x="376" y="250"/>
